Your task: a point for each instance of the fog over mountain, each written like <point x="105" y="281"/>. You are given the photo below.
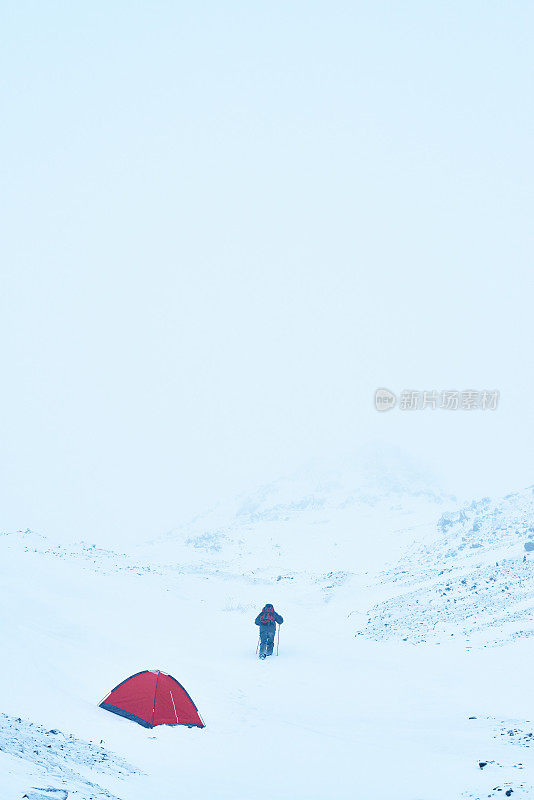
<point x="225" y="226"/>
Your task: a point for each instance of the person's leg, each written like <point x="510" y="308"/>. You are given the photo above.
<point x="263" y="643"/>
<point x="270" y="643"/>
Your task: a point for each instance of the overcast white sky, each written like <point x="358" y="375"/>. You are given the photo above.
<point x="225" y="224"/>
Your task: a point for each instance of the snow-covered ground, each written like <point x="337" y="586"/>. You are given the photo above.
<point x="405" y="655"/>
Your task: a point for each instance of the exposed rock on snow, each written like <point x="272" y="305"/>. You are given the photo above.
<point x="60" y="756"/>
<point x="46" y="794"/>
<point x="471" y="581"/>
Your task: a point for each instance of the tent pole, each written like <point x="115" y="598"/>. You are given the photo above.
<point x="175" y="714"/>
<point x="154" y="703"/>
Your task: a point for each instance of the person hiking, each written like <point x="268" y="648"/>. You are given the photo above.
<point x="266" y="620"/>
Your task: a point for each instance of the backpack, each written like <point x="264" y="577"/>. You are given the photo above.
<point x="267" y="615"/>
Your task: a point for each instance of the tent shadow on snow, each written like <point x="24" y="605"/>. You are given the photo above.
<point x="153" y="698"/>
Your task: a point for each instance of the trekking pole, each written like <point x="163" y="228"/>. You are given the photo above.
<point x="278" y="640"/>
<point x="258" y="645"/>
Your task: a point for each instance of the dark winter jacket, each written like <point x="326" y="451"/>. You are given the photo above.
<point x="268" y="627"/>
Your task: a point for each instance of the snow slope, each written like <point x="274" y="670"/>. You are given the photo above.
<point x="474" y="580"/>
<point x="371" y="696"/>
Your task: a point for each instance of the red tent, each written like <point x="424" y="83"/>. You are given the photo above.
<point x="153" y="698"/>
